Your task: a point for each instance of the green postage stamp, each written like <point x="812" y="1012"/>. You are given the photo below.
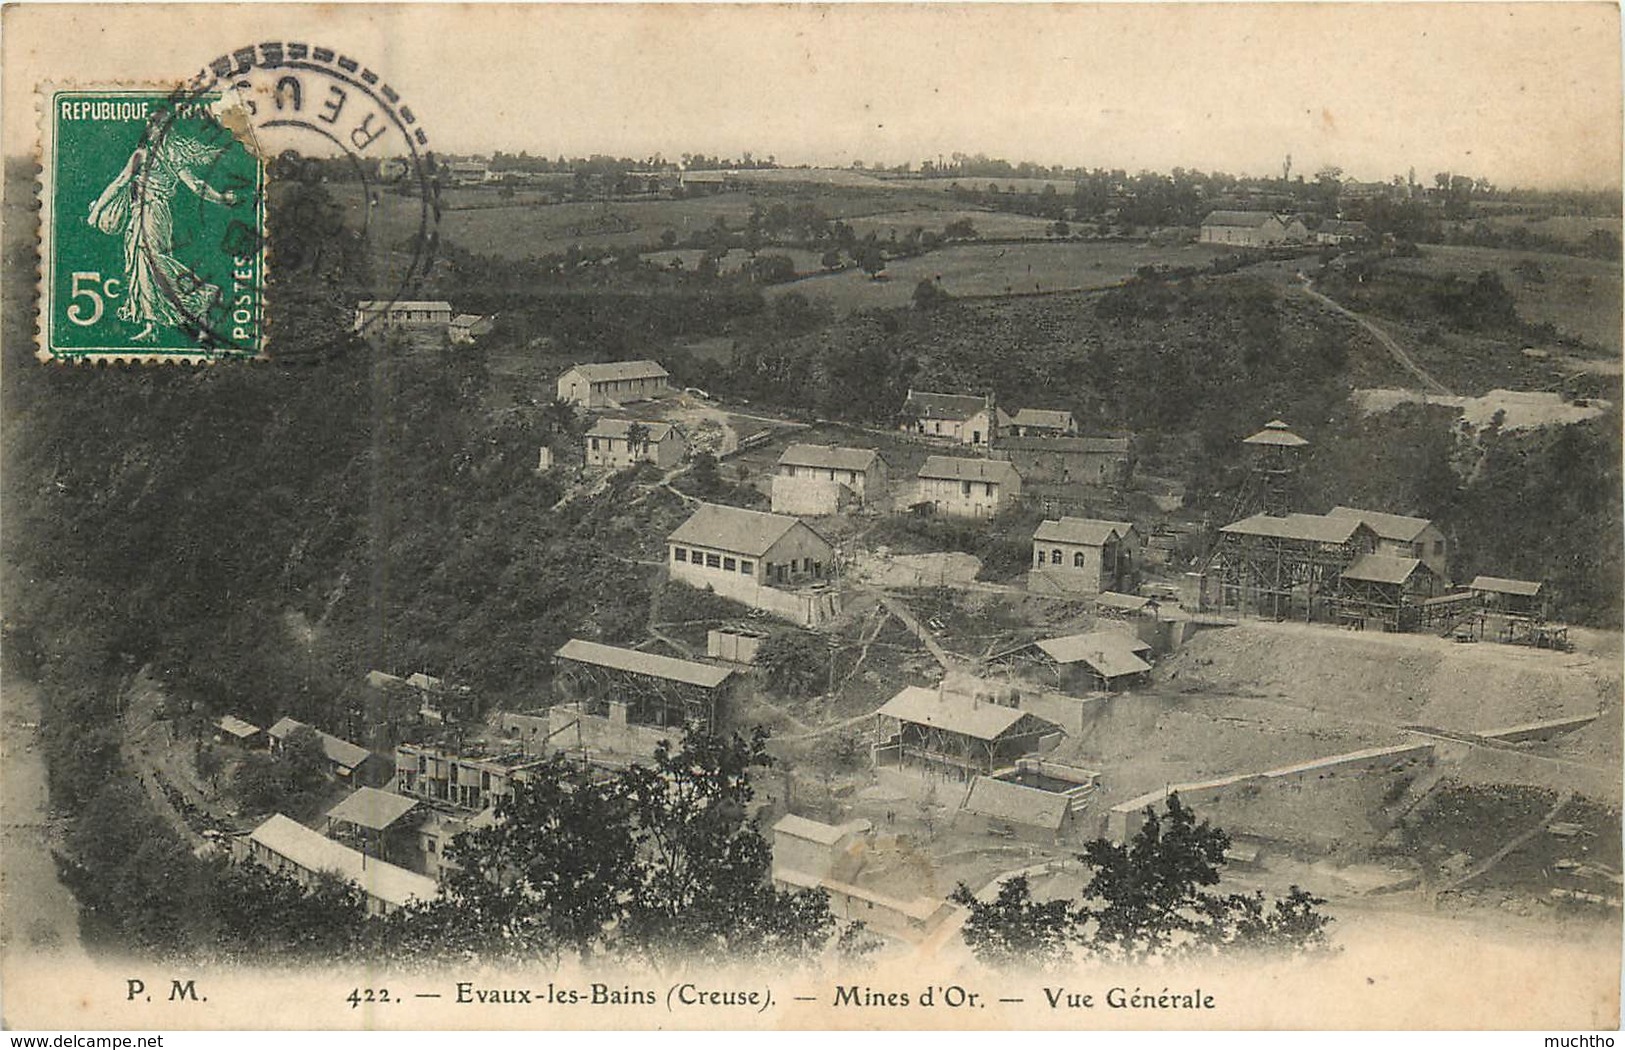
<point x="152" y="229"/>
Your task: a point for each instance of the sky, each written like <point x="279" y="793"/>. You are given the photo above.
<point x="1521" y="94"/>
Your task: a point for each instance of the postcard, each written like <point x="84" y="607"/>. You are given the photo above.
<point x="835" y="517"/>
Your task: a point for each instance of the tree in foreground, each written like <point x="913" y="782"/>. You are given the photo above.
<point x="659" y="861"/>
<point x="1013" y="930"/>
<point x="1149" y="898"/>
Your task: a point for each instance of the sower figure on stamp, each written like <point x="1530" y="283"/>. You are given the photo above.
<point x="138" y="203"/>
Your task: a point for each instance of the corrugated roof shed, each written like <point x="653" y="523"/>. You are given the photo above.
<point x="1501" y="585"/>
<point x="829" y="457"/>
<point x="404" y="304"/>
<point x="1381" y="568"/>
<point x="1046" y="418"/>
<point x="605" y="371"/>
<point x="815" y="830"/>
<point x="237" y="727"/>
<point x="951" y="468"/>
<point x="945" y="406"/>
<point x="1088" y="532"/>
<point x="315" y="852"/>
<point x="957" y="714"/>
<point x="735" y="529"/>
<point x="1312" y="528"/>
<point x="1388" y="526"/>
<point x="1111" y="654"/>
<point x="1250" y="219"/>
<point x="372" y="809"/>
<point x="620" y="428"/>
<point x="652" y="664"/>
<point x="342" y="753"/>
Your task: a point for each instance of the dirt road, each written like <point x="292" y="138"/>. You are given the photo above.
<point x="1395" y="351"/>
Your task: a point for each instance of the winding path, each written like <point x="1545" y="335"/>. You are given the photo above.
<point x="1395" y="351"/>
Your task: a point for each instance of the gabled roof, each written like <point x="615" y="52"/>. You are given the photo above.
<point x="619" y="428"/>
<point x="1111" y="654"/>
<point x="383" y="679"/>
<point x="315" y="852"/>
<point x="1238" y="218"/>
<point x="404" y="304"/>
<point x="1381" y="568"/>
<point x="1275" y="432"/>
<point x="1088" y="532"/>
<point x="817" y="831"/>
<point x="372" y="809"/>
<point x="735" y="529"/>
<point x="605" y="371"/>
<point x="1052" y="419"/>
<point x="236" y="726"/>
<point x="465" y="320"/>
<point x="341" y="753"/>
<point x="668" y="667"/>
<point x="946" y="406"/>
<point x="427" y="682"/>
<point x="1502" y="585"/>
<point x="957" y="714"/>
<point x="1076" y="445"/>
<point x="950" y="468"/>
<point x="1016" y="803"/>
<point x="829" y="457"/>
<point x="1388" y="526"/>
<point x="1309" y="528"/>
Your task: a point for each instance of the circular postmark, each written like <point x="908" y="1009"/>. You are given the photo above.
<point x="291" y="160"/>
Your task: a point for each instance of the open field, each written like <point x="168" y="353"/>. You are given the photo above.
<point x="737" y="259"/>
<point x="992" y="224"/>
<point x="1571" y="229"/>
<point x="1580" y="297"/>
<point x="515" y="228"/>
<point x="999" y="269"/>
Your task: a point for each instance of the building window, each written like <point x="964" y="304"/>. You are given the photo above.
<point x="964" y="488"/>
<point x="1055" y="555"/>
<point x="729" y="564"/>
<point x="713" y="561"/>
<point x="595" y="444"/>
<point x="428" y="844"/>
<point x="485" y="781"/>
<point x="1438" y="546"/>
<point x="746" y="568"/>
<point x="1040" y="554"/>
<point x="454" y="772"/>
<point x="679" y="554"/>
<point x="1077" y="559"/>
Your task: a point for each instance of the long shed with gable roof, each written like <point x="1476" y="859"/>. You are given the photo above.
<point x="613" y="383"/>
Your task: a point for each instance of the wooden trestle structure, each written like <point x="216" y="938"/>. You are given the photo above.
<point x="1283" y="567"/>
